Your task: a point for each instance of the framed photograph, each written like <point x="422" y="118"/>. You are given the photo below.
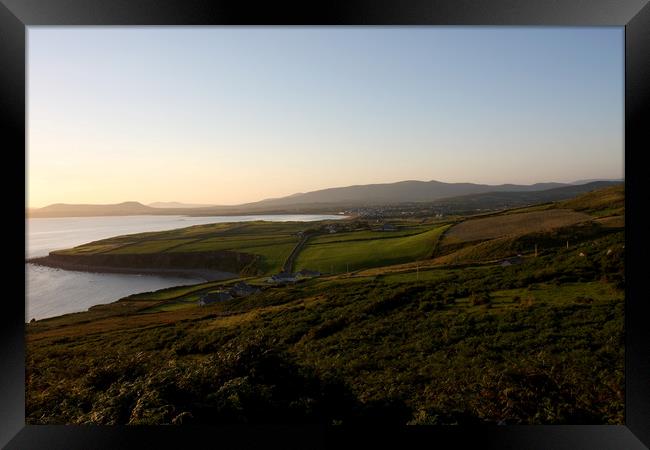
<point x="331" y="224"/>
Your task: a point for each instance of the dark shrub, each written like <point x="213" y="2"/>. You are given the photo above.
<point x="395" y="300"/>
<point x="328" y="328"/>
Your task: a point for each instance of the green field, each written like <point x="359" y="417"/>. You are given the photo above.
<point x="149" y="246"/>
<point x="273" y="256"/>
<point x="200" y="231"/>
<point x="236" y="243"/>
<point x="203" y="237"/>
<point x="368" y="235"/>
<point x="338" y="257"/>
<point x="272" y="241"/>
<point x="89" y="249"/>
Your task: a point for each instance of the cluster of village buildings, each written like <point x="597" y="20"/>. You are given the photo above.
<point x="338" y="228"/>
<point x="401" y="210"/>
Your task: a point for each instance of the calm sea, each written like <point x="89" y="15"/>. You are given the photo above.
<point x="52" y="292"/>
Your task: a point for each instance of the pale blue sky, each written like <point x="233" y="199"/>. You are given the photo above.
<point x="229" y="115"/>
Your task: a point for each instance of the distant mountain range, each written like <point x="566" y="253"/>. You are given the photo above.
<point x="591" y="180"/>
<point x="177" y="205"/>
<point x="68" y="210"/>
<point x="492" y="200"/>
<point x="333" y="199"/>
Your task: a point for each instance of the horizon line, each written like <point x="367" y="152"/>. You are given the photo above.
<point x="587" y="180"/>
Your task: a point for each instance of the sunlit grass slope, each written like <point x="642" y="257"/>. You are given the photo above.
<point x="360" y="254"/>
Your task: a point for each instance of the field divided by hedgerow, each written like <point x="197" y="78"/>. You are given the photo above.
<point x="497" y="226"/>
<point x="339" y="257"/>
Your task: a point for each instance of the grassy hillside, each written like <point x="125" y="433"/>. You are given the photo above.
<point x="271" y="242"/>
<point x="549" y="225"/>
<point x="605" y="202"/>
<point x="355" y="244"/>
<point x="513" y="224"/>
<point x="408" y="230"/>
<point x="535" y="343"/>
<point x="499" y="200"/>
<point x="337" y="256"/>
<point x="402" y="339"/>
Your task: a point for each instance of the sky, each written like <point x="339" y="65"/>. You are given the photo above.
<point x="228" y="115"/>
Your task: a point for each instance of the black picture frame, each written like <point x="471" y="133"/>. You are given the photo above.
<point x="634" y="15"/>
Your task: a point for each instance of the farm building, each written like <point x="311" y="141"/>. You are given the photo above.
<point x="214" y="297"/>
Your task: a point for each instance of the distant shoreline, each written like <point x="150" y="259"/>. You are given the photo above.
<point x="205" y="274"/>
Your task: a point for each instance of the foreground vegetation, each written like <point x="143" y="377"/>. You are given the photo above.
<point x="423" y="342"/>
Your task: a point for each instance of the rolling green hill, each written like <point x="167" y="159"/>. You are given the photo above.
<point x="604" y="202"/>
<point x="268" y="243"/>
<point x="441" y="350"/>
<point x="403" y="339"/>
<point x="512" y="224"/>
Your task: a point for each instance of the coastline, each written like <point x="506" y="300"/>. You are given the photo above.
<point x="205" y="274"/>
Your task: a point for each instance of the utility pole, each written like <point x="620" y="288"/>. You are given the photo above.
<point x="567" y="245"/>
